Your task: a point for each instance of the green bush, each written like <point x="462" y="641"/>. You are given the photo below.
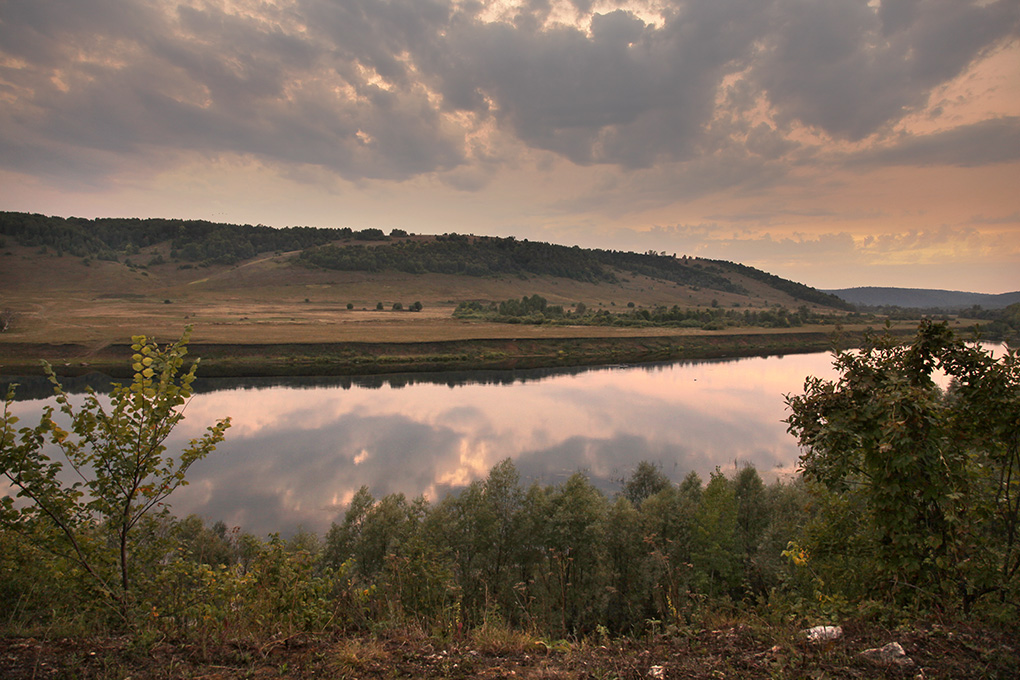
<point x="924" y="481"/>
<point x="119" y="455"/>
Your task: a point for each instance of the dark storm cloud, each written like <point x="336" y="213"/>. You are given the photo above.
<point x="391" y="89"/>
<point x="628" y="93"/>
<point x="990" y="141"/>
<point x="844" y="68"/>
<point x="205" y="80"/>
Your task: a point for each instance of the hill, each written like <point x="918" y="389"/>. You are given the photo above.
<point x="921" y="298"/>
<point x="71" y="289"/>
<point x="145" y="243"/>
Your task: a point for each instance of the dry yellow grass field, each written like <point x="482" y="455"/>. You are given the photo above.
<point x="81" y="316"/>
<point x="270" y="300"/>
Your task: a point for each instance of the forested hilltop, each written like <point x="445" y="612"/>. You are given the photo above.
<point x="200" y="242"/>
<point x="190" y="240"/>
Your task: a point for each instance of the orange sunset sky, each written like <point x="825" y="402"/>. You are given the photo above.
<point x="835" y="142"/>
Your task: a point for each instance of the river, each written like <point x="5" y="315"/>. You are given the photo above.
<point x="298" y="450"/>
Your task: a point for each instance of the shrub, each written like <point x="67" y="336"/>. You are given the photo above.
<point x="931" y="475"/>
<point x="119" y="455"/>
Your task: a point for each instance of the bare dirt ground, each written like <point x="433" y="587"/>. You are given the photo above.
<point x="729" y="651"/>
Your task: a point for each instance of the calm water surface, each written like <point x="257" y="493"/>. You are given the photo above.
<point x="297" y="452"/>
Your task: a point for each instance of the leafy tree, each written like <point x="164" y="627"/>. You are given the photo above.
<point x="574" y="535"/>
<point x="343" y="539"/>
<point x="503" y="504"/>
<point x="937" y="474"/>
<point x="370" y="234"/>
<point x="204" y="545"/>
<point x="626" y="555"/>
<point x="691" y="487"/>
<point x="480" y="530"/>
<point x="646" y="480"/>
<point x="668" y="520"/>
<point x="752" y="520"/>
<point x="464" y="524"/>
<point x="716" y="557"/>
<point x="117" y="453"/>
<point x="383" y="530"/>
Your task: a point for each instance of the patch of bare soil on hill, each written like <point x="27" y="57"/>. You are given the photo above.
<point x="730" y="652"/>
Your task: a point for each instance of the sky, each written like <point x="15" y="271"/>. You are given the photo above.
<point x="839" y="143"/>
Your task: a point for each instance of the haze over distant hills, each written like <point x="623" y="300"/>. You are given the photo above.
<point x="922" y="298"/>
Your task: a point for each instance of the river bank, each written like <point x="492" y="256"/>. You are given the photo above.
<point x="371" y="358"/>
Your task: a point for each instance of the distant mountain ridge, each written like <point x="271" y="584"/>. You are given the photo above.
<point x="923" y="298"/>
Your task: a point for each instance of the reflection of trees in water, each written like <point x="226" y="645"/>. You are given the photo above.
<point x="397" y="380"/>
<point x="38" y="387"/>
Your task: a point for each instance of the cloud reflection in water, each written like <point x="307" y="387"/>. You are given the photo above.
<point x="295" y="455"/>
<point x="298" y="450"/>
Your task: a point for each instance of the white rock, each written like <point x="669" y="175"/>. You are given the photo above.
<point x="657" y="672"/>
<point x="823" y="633"/>
<point x="890" y="655"/>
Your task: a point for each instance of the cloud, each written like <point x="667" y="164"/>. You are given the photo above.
<point x="793" y="254"/>
<point x="622" y="92"/>
<point x="996" y="140"/>
<point x="1012" y="218"/>
<point x="394" y="89"/>
<point x="201" y="78"/>
<point x="303" y="473"/>
<point x="851" y="70"/>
